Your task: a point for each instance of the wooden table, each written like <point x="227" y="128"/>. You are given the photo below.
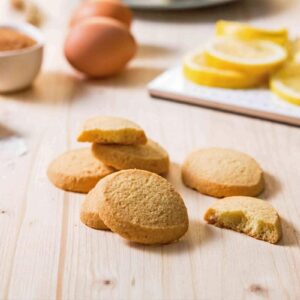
<point x="46" y="253"/>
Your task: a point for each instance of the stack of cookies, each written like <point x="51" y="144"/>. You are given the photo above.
<point x="132" y="200"/>
<point x="117" y="144"/>
<point x="237" y="177"/>
<point x="122" y="144"/>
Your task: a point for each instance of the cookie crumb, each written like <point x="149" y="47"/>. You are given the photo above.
<point x="108" y="282"/>
<point x="33" y="14"/>
<point x="258" y="289"/>
<point x="18" y="4"/>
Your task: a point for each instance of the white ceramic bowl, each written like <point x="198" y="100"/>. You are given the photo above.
<point x="18" y="68"/>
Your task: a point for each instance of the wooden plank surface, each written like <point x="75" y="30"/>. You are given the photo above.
<point x="46" y="253"/>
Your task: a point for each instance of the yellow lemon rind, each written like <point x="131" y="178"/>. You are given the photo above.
<point x="220" y="60"/>
<point x="283" y="92"/>
<point x="213" y="77"/>
<point x="247" y="32"/>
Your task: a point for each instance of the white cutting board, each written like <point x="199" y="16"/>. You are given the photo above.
<point x="258" y="102"/>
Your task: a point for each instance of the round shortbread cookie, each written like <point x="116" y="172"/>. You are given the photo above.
<point x="142" y="207"/>
<point x="89" y="212"/>
<point x="150" y="157"/>
<point x="252" y="216"/>
<point x="77" y="171"/>
<point x="222" y="172"/>
<point x="112" y="130"/>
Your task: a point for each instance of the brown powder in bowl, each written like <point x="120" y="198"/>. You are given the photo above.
<point x="14" y="40"/>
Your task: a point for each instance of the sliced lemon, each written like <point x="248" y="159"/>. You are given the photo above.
<point x="286" y="83"/>
<point x="247" y="32"/>
<point x="294" y="49"/>
<point x="255" y="56"/>
<point x="196" y="70"/>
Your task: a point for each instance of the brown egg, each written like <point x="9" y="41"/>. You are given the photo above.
<point x="99" y="47"/>
<point x="103" y="8"/>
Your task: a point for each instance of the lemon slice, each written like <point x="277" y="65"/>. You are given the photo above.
<point x="247" y="32"/>
<point x="294" y="48"/>
<point x="286" y="83"/>
<point x="196" y="70"/>
<point x="255" y="56"/>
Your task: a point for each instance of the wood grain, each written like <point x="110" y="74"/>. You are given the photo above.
<point x="46" y="253"/>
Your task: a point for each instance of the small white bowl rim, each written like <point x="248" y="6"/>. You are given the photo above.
<point x="27" y="29"/>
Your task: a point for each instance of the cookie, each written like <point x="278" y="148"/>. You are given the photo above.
<point x="151" y="157"/>
<point x="222" y="172"/>
<point x="77" y="171"/>
<point x="89" y="212"/>
<point x="252" y="216"/>
<point x="112" y="130"/>
<point x="142" y="207"/>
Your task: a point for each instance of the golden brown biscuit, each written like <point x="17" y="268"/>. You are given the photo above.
<point x="151" y="157"/>
<point x="112" y="130"/>
<point x="252" y="216"/>
<point x="142" y="207"/>
<point x="89" y="212"/>
<point x="222" y="172"/>
<point x="77" y="171"/>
